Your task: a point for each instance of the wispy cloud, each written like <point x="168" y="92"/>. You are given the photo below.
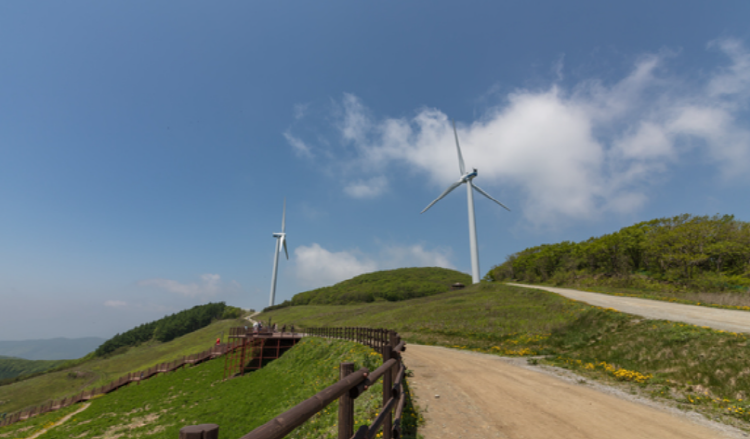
<point x="115" y="304"/>
<point x="573" y="152"/>
<point x="367" y="188"/>
<point x="208" y="285"/>
<point x="300" y="148"/>
<point x="316" y="266"/>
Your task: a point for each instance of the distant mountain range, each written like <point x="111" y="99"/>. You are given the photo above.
<point x="50" y="349"/>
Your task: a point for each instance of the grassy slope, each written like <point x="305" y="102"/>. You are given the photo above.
<point x="13" y="367"/>
<point x="161" y="406"/>
<point x="685" y="364"/>
<point x="734" y="300"/>
<point x="99" y="371"/>
<point x="479" y="316"/>
<point x="391" y="285"/>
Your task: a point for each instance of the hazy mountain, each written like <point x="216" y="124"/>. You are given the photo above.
<point x="50" y="349"/>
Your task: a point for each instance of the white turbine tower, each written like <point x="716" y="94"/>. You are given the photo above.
<point x="467" y="177"/>
<point x="280" y="242"/>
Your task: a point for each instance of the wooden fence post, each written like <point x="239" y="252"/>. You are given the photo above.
<point x="203" y="431"/>
<point x="346" y="405"/>
<point x="387" y="393"/>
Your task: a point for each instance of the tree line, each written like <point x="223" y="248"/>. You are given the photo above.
<point x="170" y="327"/>
<point x="709" y="253"/>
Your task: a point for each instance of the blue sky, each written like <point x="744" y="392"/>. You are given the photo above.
<point x="146" y="147"/>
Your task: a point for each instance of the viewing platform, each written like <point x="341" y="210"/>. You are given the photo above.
<point x="251" y="349"/>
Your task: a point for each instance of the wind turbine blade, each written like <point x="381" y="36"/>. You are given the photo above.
<point x="285" y="251"/>
<point x="447" y="191"/>
<point x="488" y="196"/>
<point x="283" y="218"/>
<point x="460" y="157"/>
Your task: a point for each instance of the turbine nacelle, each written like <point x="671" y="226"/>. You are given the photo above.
<point x="469" y="176"/>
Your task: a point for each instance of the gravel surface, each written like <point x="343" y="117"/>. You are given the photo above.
<point x="726" y="319"/>
<point x="471" y="395"/>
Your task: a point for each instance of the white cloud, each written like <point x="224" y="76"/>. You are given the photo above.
<point x="300" y="147"/>
<point x="571" y="153"/>
<point x="367" y="188"/>
<point x="209" y="285"/>
<point x="316" y="266"/>
<point x="115" y="304"/>
<point x="413" y="256"/>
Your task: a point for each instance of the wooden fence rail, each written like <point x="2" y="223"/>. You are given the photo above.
<point x="351" y="385"/>
<point x="86" y="395"/>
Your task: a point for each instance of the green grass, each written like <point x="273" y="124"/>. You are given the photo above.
<point x="693" y="366"/>
<point x="480" y="316"/>
<point x="388" y="285"/>
<point x="725" y="300"/>
<point x="95" y="372"/>
<point x="14" y="367"/>
<point x="161" y="406"/>
<point x="35" y="424"/>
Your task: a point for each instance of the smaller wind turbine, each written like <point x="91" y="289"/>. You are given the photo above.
<point x="280" y="242"/>
<point x="467" y="177"/>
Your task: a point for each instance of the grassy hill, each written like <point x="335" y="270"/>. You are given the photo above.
<point x="159" y="407"/>
<point x="673" y="256"/>
<point x="96" y="371"/>
<point x="696" y="368"/>
<point x="389" y="285"/>
<point x="12" y="367"/>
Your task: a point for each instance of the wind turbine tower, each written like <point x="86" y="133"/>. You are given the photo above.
<point x="467" y="177"/>
<point x="280" y="242"/>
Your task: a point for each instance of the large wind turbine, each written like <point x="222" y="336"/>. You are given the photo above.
<point x="467" y="177"/>
<point x="280" y="242"/>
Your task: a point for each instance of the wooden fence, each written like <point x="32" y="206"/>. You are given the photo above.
<point x="213" y="352"/>
<point x="351" y="384"/>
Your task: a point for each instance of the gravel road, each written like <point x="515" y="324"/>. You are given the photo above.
<point x="726" y="319"/>
<point x="471" y="395"/>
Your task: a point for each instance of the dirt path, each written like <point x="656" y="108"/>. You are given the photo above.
<point x="471" y="395"/>
<point x="726" y="319"/>
<point x="60" y="422"/>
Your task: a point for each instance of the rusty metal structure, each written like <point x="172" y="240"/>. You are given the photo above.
<point x="250" y="350"/>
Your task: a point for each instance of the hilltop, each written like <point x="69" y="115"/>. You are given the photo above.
<point x="387" y="285"/>
<point x="681" y="254"/>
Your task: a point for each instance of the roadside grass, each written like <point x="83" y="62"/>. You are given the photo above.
<point x="159" y="407"/>
<point x="695" y="367"/>
<point x="99" y="371"/>
<point x="478" y="317"/>
<point x="737" y="300"/>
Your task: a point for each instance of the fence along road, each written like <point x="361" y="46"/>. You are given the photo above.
<point x="471" y="395"/>
<point x="387" y="425"/>
<point x="725" y="319"/>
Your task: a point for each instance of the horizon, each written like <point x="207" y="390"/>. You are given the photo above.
<point x="148" y="148"/>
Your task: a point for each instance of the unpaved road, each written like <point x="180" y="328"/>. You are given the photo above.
<point x="726" y="319"/>
<point x="485" y="396"/>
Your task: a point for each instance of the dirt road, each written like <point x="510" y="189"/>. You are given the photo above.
<point x="726" y="319"/>
<point x="471" y="395"/>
